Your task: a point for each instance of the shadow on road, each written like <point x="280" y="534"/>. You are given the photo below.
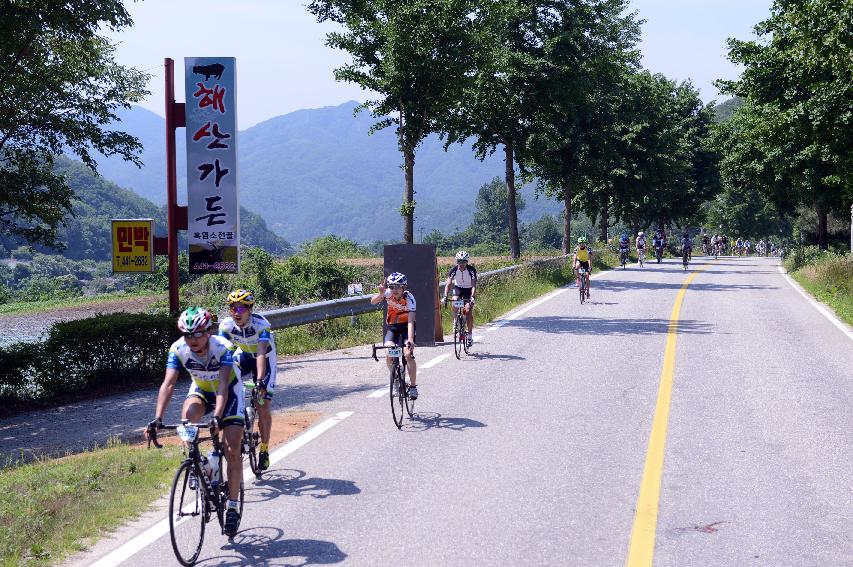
<point x="264" y="546"/>
<point x="495" y="356"/>
<point x="617" y="286"/>
<point x="292" y="482"/>
<point x="592" y="326"/>
<point x="431" y="420"/>
<point x="300" y="394"/>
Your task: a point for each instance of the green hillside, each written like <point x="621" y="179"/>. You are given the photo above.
<point x="316" y="172"/>
<point x="97" y="201"/>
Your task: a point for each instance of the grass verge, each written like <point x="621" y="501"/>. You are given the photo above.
<point x="830" y="281"/>
<point x="53" y="507"/>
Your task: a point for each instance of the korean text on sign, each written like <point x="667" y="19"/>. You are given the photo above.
<point x="133" y="245"/>
<point x="211" y="122"/>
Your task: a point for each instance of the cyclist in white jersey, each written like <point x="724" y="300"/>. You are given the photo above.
<point x="216" y="387"/>
<point x="463" y="276"/>
<point x="252" y="333"/>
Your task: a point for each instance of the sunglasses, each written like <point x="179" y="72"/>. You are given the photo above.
<point x="461" y="261"/>
<point x="396" y="286"/>
<point x="238" y="309"/>
<point x="196" y="335"/>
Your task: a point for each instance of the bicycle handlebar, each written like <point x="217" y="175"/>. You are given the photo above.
<point x="152" y="432"/>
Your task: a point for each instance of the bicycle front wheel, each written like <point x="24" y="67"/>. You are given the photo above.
<point x="397" y="395"/>
<point x="458" y="337"/>
<point x="583" y="293"/>
<point x="187" y="513"/>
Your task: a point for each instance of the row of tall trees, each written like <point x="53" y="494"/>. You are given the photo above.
<point x="555" y="85"/>
<point x="791" y="138"/>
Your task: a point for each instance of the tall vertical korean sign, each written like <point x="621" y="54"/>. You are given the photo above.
<point x="212" y="200"/>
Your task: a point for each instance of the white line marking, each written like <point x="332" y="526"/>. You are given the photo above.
<point x="160" y="529"/>
<point x="378" y="393"/>
<point x="434" y="361"/>
<point x="533" y="305"/>
<point x="823" y="310"/>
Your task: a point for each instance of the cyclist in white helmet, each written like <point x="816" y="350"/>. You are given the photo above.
<point x="641" y="245"/>
<point x="463" y="276"/>
<point x="400" y="322"/>
<point x="216" y="387"/>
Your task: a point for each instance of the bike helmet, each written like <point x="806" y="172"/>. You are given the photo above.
<point x="396" y="278"/>
<point x="624" y="236"/>
<point x="194" y="319"/>
<point x="243" y="296"/>
<point x="641" y="233"/>
<point x="582" y="240"/>
<point x="462" y="256"/>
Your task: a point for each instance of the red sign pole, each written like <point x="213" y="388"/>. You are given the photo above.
<point x="176" y="216"/>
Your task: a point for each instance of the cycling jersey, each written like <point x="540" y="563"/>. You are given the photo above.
<point x="399" y="309"/>
<point x="204" y="373"/>
<point x="641" y="243"/>
<point x="582" y="254"/>
<point x="686" y="243"/>
<point x="624" y="244"/>
<point x="247" y="338"/>
<point x="466" y="278"/>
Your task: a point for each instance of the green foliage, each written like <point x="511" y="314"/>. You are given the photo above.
<point x="87" y="355"/>
<point x="51" y="51"/>
<point x="745" y="212"/>
<point x="332" y="246"/>
<point x="794" y="131"/>
<point x="544" y="234"/>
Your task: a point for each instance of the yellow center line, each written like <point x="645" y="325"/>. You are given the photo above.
<point x="642" y="547"/>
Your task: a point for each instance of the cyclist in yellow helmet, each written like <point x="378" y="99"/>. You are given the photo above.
<point x="256" y="357"/>
<point x="583" y="259"/>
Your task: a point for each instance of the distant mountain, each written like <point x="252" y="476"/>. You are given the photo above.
<point x="97" y="201"/>
<point x="316" y="172"/>
<point x="725" y="109"/>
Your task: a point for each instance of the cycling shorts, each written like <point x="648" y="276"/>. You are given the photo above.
<point x="234" y="405"/>
<point x="397" y="334"/>
<point x="248" y="366"/>
<point x="584" y="265"/>
<point x="462" y="292"/>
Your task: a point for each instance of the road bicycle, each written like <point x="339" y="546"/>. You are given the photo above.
<point x="685" y="257"/>
<point x="659" y="253"/>
<point x="623" y="257"/>
<point x="251" y="431"/>
<point x="198" y="492"/>
<point x="641" y="256"/>
<point x="584" y="284"/>
<point x="399" y="384"/>
<point x="460" y="328"/>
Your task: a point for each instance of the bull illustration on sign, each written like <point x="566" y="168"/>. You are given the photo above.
<point x="212" y="70"/>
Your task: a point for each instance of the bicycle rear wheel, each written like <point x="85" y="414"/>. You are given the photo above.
<point x="187" y="513"/>
<point x="251" y="438"/>
<point x="583" y="291"/>
<point x="410" y="403"/>
<point x="397" y="395"/>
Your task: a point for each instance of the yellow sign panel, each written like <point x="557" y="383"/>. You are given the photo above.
<point x="133" y="245"/>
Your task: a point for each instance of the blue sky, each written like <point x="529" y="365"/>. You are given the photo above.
<point x="283" y="64"/>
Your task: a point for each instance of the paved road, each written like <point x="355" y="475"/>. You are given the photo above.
<point x="532" y="451"/>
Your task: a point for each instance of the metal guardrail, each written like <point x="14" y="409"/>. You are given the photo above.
<point x="350" y="306"/>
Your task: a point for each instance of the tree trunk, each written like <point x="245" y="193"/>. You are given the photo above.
<point x="409" y="197"/>
<point x="514" y="245"/>
<point x="605" y="219"/>
<point x="567" y="219"/>
<point x="822" y="234"/>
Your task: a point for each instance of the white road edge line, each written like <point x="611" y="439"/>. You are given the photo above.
<point x="823" y="310"/>
<point x="434" y="361"/>
<point x="155" y="532"/>
<point x="378" y="393"/>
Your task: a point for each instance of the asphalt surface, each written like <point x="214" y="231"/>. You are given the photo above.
<point x="531" y="451"/>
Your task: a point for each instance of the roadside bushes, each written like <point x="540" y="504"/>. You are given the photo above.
<point x="101" y="353"/>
